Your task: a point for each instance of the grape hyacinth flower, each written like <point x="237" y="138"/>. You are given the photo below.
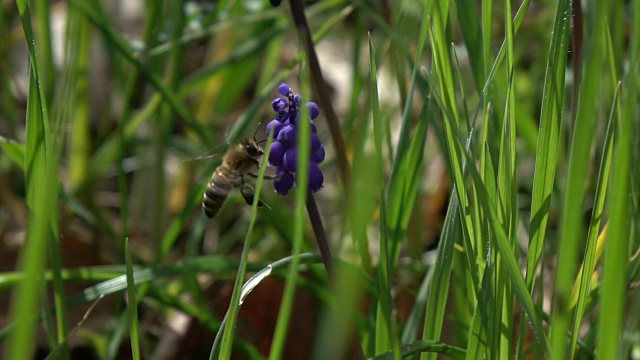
<point x="284" y="151"/>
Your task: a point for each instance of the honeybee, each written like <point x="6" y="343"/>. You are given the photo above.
<point x="237" y="163"/>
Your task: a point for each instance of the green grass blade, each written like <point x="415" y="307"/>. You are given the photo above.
<point x="383" y="329"/>
<point x="506" y="200"/>
<point x="132" y="304"/>
<point x="444" y="92"/>
<point x="425" y="346"/>
<point x="505" y="249"/>
<point x="547" y="148"/>
<point x="302" y="188"/>
<point x="119" y="332"/>
<point x="410" y="331"/>
<point x="399" y="199"/>
<point x="40" y="172"/>
<point x="467" y="13"/>
<point x="234" y="306"/>
<point x="75" y="102"/>
<point x="511" y="266"/>
<point x="400" y="195"/>
<point x="45" y="47"/>
<point x="439" y="290"/>
<point x="487" y="7"/>
<point x="613" y="288"/>
<point x="32" y="260"/>
<point x="14" y="151"/>
<point x="254" y="281"/>
<point x="571" y="228"/>
<point x="477" y="345"/>
<point x="583" y="282"/>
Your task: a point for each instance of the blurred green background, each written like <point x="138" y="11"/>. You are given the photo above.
<point x="490" y="210"/>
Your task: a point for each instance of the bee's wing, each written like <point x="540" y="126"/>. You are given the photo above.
<point x="209" y="155"/>
<point x="212" y="155"/>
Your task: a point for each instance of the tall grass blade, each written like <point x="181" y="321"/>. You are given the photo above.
<point x="474" y="38"/>
<point x="477" y="346"/>
<point x="234" y="306"/>
<point x="506" y="201"/>
<point x="506" y="252"/>
<point x="44" y="51"/>
<point x="132" y="304"/>
<point x="595" y="243"/>
<point x="547" y="148"/>
<point x="444" y="92"/>
<point x="401" y="190"/>
<point x="571" y="228"/>
<point x="439" y="290"/>
<point x="40" y="172"/>
<point x="383" y="330"/>
<point x="302" y="184"/>
<point x="411" y="328"/>
<point x="401" y="194"/>
<point x="616" y="253"/>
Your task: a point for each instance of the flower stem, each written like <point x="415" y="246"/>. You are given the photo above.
<point x="327" y="258"/>
<point x="300" y="21"/>
<point x="321" y="237"/>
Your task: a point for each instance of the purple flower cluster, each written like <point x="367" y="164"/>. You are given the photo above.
<point x="284" y="151"/>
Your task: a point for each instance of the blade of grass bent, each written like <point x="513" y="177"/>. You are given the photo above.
<point x="254" y="281"/>
<point x="428" y="347"/>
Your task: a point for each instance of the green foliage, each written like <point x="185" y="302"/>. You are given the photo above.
<point x="483" y="130"/>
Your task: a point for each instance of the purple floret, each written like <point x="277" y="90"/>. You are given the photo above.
<point x="284" y="149"/>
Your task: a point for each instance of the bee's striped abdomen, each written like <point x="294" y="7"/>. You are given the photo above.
<point x="217" y="190"/>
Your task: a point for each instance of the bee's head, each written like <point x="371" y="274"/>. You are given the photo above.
<point x="252" y="148"/>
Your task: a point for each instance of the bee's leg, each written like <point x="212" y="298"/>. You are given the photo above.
<point x="247" y="193"/>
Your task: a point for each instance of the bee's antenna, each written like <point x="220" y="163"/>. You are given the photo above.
<point x="255" y="132"/>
